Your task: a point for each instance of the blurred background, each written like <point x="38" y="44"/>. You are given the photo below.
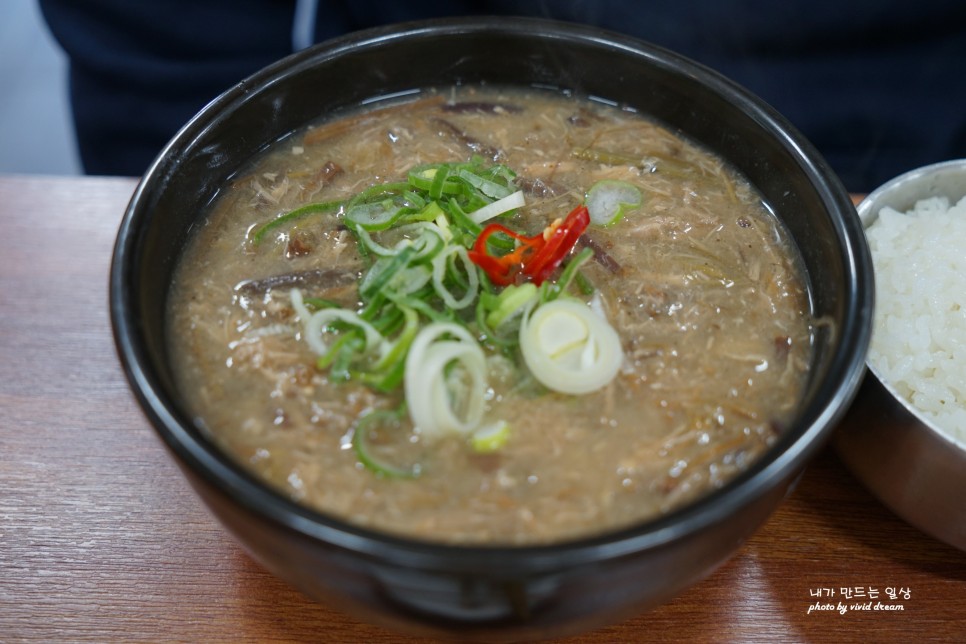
<point x="873" y="84"/>
<point x="36" y="135"/>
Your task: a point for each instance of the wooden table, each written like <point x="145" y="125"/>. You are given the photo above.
<point x="101" y="538"/>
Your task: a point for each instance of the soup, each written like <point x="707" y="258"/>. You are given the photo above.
<point x="491" y="316"/>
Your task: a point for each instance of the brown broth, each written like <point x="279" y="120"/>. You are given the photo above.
<point x="709" y="301"/>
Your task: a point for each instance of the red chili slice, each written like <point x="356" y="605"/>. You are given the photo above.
<point x="546" y="260"/>
<point x="502" y="270"/>
<point x="536" y="256"/>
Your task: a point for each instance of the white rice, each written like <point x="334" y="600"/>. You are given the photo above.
<point x="919" y="334"/>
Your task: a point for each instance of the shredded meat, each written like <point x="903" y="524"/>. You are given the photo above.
<point x="302" y="279"/>
<point x="600" y="255"/>
<point x="474" y="144"/>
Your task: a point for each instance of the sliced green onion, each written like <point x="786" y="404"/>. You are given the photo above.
<point x="385" y="381"/>
<point x="500" y="206"/>
<point x="497" y="172"/>
<point x="435" y="179"/>
<point x="511" y="301"/>
<point x="491" y="437"/>
<point x="383" y="315"/>
<point x="400" y="347"/>
<point x="441" y="267"/>
<point x="447" y="315"/>
<point x="489" y="188"/>
<point x="422" y="176"/>
<point x="389" y="371"/>
<point x="470" y="228"/>
<point x="342" y="350"/>
<point x="381" y="419"/>
<point x="378" y="215"/>
<point x="383" y="270"/>
<point x="504" y="341"/>
<point x="608" y="200"/>
<point x="370" y="246"/>
<point x="445" y="380"/>
<point x="584" y="285"/>
<point x="380" y="191"/>
<point x="414" y="200"/>
<point x="429" y="242"/>
<point x="429" y="212"/>
<point x="379" y="206"/>
<point x="570" y="348"/>
<point x="314" y="325"/>
<point x="298" y="213"/>
<point x="410" y="279"/>
<point x="316" y="303"/>
<point x="571" y="271"/>
<point x="438" y="186"/>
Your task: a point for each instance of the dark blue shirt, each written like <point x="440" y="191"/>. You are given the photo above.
<point x="876" y="85"/>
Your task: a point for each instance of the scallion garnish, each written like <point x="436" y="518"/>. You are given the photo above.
<point x="437" y="284"/>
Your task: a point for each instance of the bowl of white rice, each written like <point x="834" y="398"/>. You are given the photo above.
<point x="905" y="435"/>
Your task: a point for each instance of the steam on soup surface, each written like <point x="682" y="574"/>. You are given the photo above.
<point x="322" y="348"/>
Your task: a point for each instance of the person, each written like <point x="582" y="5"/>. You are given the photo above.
<point x="875" y="85"/>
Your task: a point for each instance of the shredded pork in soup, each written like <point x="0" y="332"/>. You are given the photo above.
<point x="490" y="316"/>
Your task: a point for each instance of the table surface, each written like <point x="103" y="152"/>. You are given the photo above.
<point x="102" y="539"/>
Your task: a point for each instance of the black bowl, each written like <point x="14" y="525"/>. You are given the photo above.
<point x="492" y="592"/>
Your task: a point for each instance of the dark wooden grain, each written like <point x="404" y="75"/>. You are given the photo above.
<point x="102" y="540"/>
